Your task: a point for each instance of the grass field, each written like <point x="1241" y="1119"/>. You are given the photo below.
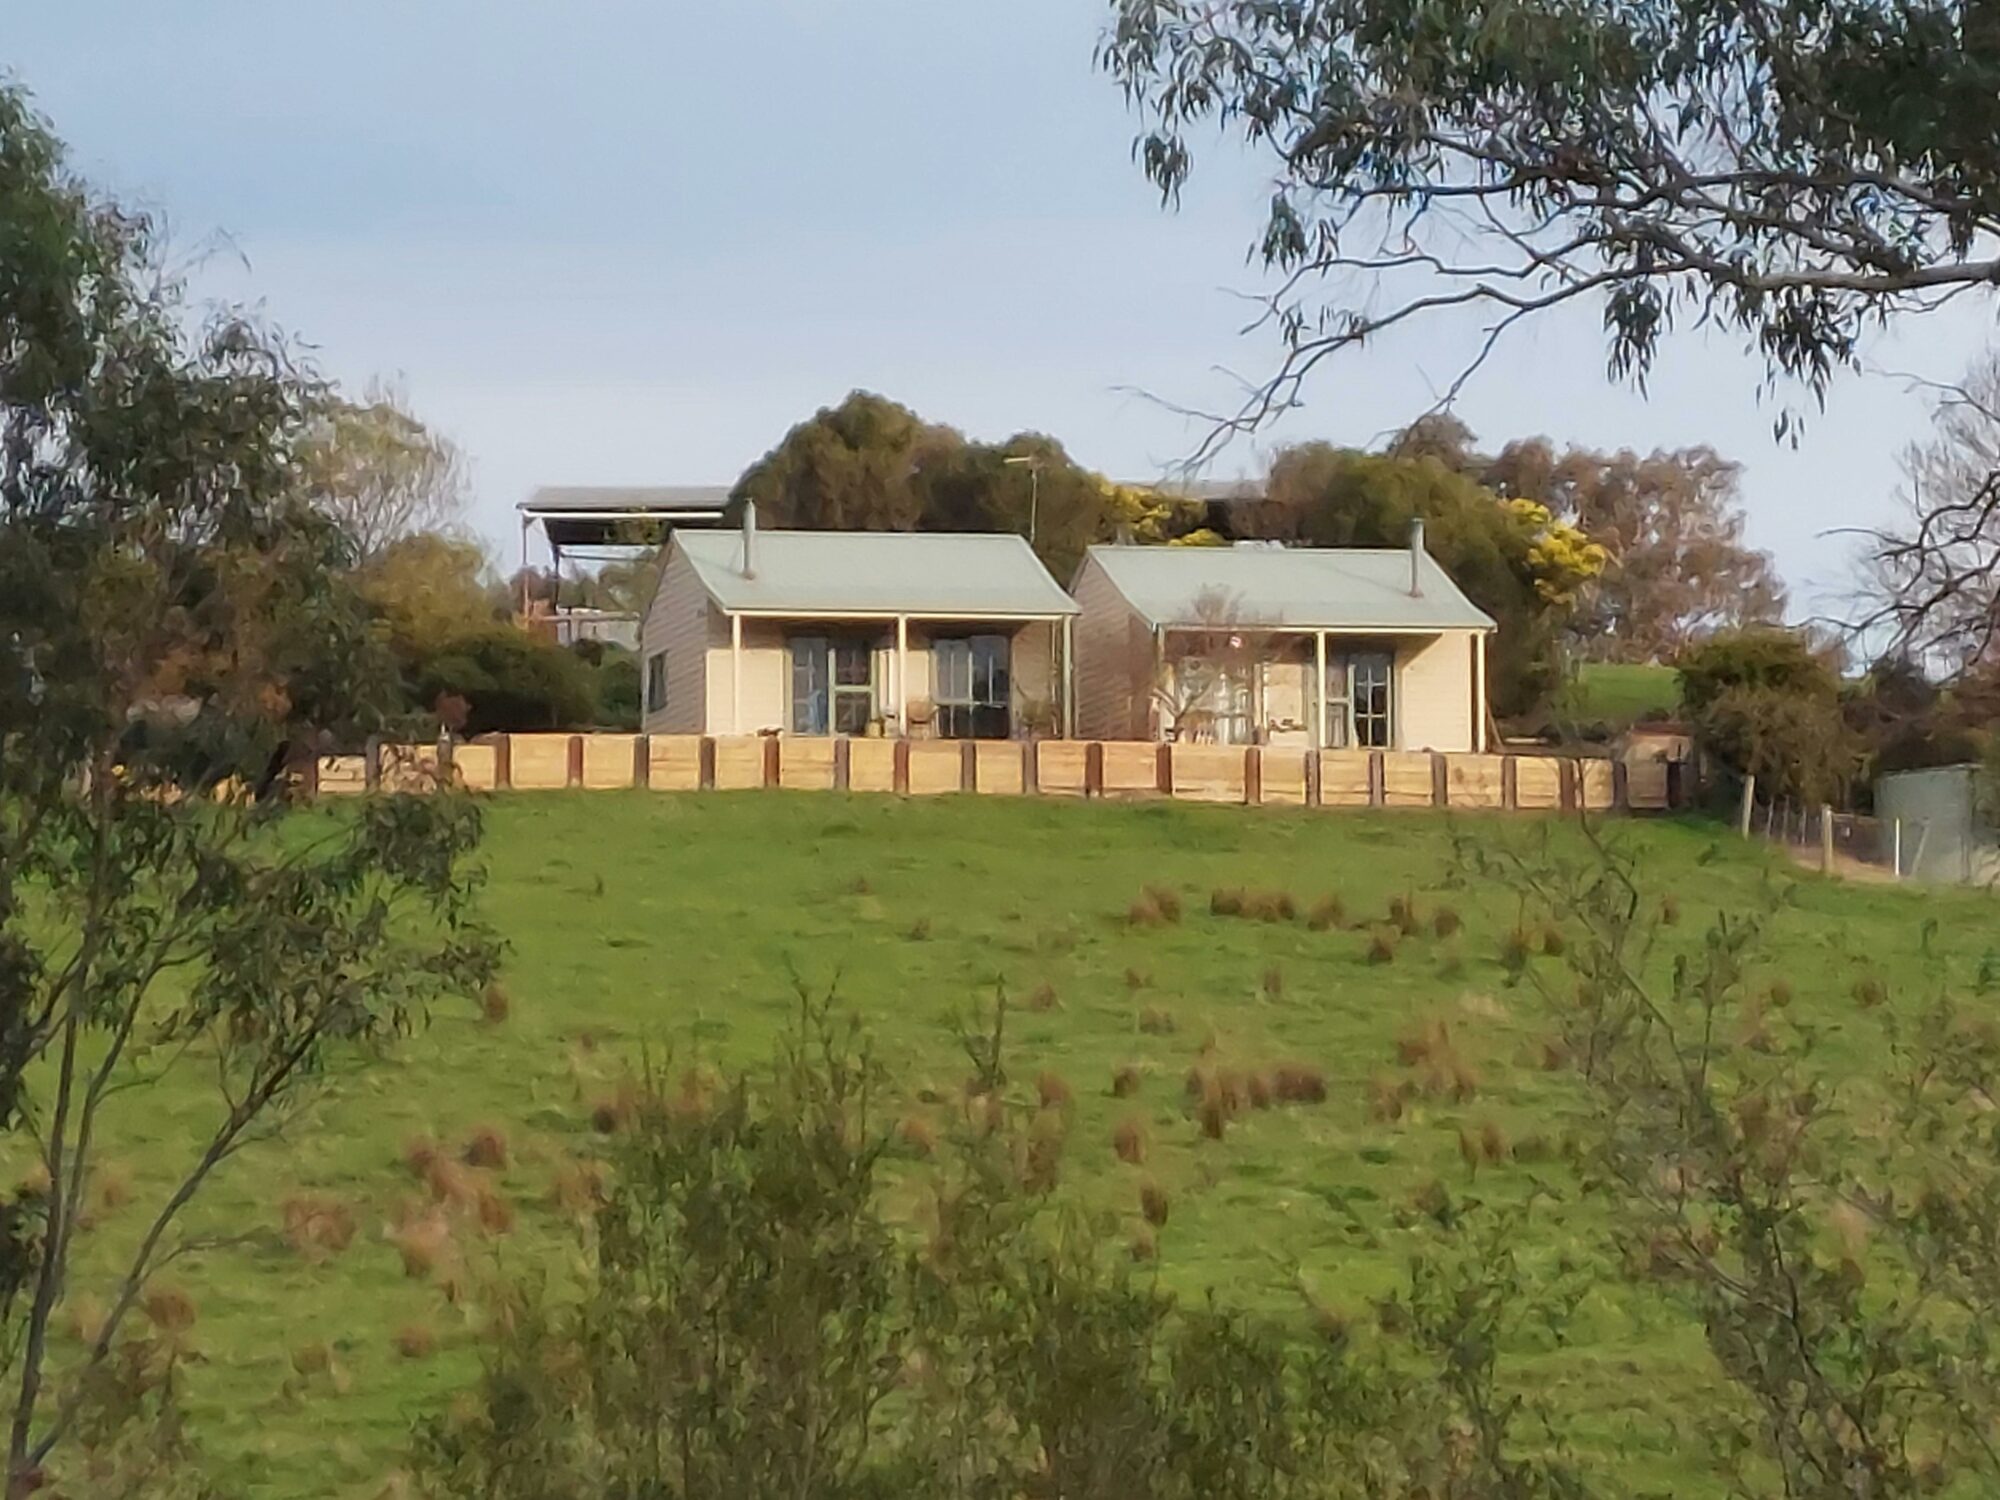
<point x="1619" y="694"/>
<point x="683" y="922"/>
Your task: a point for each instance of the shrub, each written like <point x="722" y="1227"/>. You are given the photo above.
<point x="512" y="681"/>
<point x="486" y="1147"/>
<point x="1129" y="1141"/>
<point x="1125" y="1080"/>
<point x="1327" y="913"/>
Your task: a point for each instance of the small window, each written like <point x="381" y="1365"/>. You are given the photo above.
<point x="656" y="682"/>
<point x="971" y="688"/>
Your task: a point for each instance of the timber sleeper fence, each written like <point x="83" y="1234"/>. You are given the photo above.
<point x="1252" y="775"/>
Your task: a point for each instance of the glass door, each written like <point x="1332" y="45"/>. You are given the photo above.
<point x="1360" y="700"/>
<point x="971" y="688"/>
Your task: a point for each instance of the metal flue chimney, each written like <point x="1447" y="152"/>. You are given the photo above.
<point x="1416" y="556"/>
<point x="749" y="538"/>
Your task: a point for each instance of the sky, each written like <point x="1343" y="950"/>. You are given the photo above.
<point x="605" y="241"/>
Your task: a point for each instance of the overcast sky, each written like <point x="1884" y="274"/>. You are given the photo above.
<point x="603" y="242"/>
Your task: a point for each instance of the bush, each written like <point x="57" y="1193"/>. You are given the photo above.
<point x="1765" y="704"/>
<point x="511" y="679"/>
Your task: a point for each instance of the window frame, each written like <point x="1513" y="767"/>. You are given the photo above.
<point x="838" y="702"/>
<point x="656" y="682"/>
<point x="985" y="711"/>
<point x="1350" y="725"/>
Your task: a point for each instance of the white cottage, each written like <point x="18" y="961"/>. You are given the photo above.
<point x="952" y="635"/>
<point x="1303" y="647"/>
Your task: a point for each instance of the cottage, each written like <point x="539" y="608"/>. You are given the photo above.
<point x="951" y="635"/>
<point x="1333" y="648"/>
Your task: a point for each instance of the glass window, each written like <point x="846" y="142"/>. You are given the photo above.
<point x="853" y="686"/>
<point x="971" y="687"/>
<point x="1360" y="707"/>
<point x="810" y="698"/>
<point x="833" y="685"/>
<point x="656" y="682"/>
<point x="1370" y="675"/>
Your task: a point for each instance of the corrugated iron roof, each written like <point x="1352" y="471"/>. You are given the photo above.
<point x="1288" y="588"/>
<point x="651" y="499"/>
<point x="940" y="573"/>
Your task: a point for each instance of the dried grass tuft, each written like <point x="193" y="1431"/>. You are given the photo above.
<point x="1274" y="983"/>
<point x="1145" y="1244"/>
<point x="1553" y="943"/>
<point x="920" y="930"/>
<point x="1386" y="1100"/>
<point x="1226" y="901"/>
<point x="1155" y="1020"/>
<point x="1137" y="979"/>
<point x="1053" y="1090"/>
<point x="494" y="1004"/>
<point x="1125" y="1080"/>
<point x="486" y="1147"/>
<point x="1166" y="901"/>
<point x="169" y="1308"/>
<point x="1403" y="915"/>
<point x="1327" y="913"/>
<point x="1154" y="1204"/>
<point x="317" y="1225"/>
<point x="1870" y="991"/>
<point x="416" y="1341"/>
<point x="111" y="1183"/>
<point x="1129" y="1141"/>
<point x="1042" y="998"/>
<point x="423" y="1240"/>
<point x="494" y="1211"/>
<point x="578" y="1186"/>
<point x="1779" y="993"/>
<point x="1382" y="945"/>
<point x="918" y="1135"/>
<point x="1670" y="911"/>
<point x="1446" y="922"/>
<point x="1260" y="1090"/>
<point x="1493" y="1142"/>
<point x="1298" y="1083"/>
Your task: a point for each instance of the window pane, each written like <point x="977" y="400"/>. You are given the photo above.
<point x="809" y="684"/>
<point x="853" y="664"/>
<point x="951" y="667"/>
<point x="852" y="709"/>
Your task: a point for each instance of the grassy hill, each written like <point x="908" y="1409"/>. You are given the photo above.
<point x="683" y="923"/>
<point x="1620" y="694"/>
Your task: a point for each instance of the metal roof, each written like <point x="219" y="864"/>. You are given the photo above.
<point x="617" y="515"/>
<point x="937" y="573"/>
<point x="1289" y="588"/>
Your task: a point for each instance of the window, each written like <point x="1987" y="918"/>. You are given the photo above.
<point x="970" y="688"/>
<point x="1216" y="698"/>
<point x="656" y="682"/>
<point x="1360" y="708"/>
<point x="833" y="685"/>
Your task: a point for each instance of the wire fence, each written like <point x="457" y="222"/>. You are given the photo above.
<point x="1849" y="843"/>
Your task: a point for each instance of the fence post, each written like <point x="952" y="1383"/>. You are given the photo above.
<point x="774" y="770"/>
<point x="1031" y="767"/>
<point x="1093" y="768"/>
<point x="1440" y="780"/>
<point x="968" y="766"/>
<point x="843" y="763"/>
<point x="1510" y="784"/>
<point x="899" y="774"/>
<point x="1621" y="785"/>
<point x="1896" y="846"/>
<point x="1826" y="838"/>
<point x="1315" y="791"/>
<point x="503" y="763"/>
<point x="642" y="760"/>
<point x="1567" y="791"/>
<point x="308" y="765"/>
<point x="371" y="764"/>
<point x="1749" y="804"/>
<point x="1378" y="792"/>
<point x="704" y="760"/>
<point x="1253" y="776"/>
<point x="574" y="776"/>
<point x="1163" y="769"/>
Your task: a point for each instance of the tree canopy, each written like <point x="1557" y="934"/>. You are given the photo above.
<point x="379" y="471"/>
<point x="869" y="464"/>
<point x="1799" y="170"/>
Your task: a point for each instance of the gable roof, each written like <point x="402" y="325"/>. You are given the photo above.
<point x="1289" y="588"/>
<point x="937" y="573"/>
